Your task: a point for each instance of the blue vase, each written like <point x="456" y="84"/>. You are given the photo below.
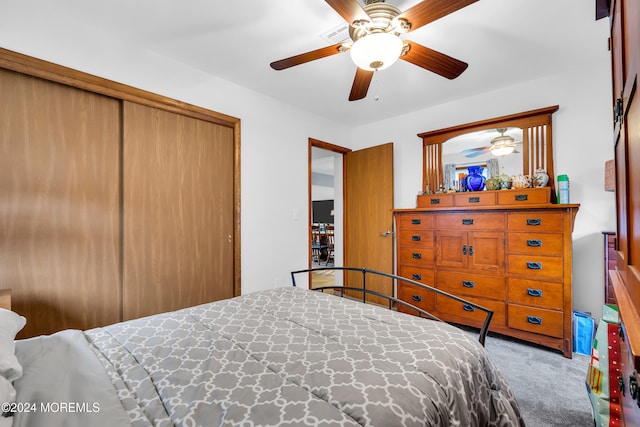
<point x="474" y="179"/>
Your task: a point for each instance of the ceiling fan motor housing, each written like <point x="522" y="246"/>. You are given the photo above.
<point x="382" y="20"/>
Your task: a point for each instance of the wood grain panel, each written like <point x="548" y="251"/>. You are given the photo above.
<point x="178" y="211"/>
<point x="368" y="216"/>
<point x="535" y="243"/>
<point x="59" y="215"/>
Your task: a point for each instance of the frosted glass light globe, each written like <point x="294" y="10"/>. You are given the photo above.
<point x="376" y="51"/>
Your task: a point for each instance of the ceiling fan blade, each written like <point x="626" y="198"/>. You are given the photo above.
<point x="434" y="61"/>
<point x="475" y="150"/>
<point x="307" y="57"/>
<point x="476" y="154"/>
<point x="429" y="10"/>
<point x="350" y="10"/>
<point x="361" y="84"/>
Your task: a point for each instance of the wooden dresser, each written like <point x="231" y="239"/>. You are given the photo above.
<point x="507" y="250"/>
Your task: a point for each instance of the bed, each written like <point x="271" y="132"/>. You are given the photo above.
<point x="279" y="357"/>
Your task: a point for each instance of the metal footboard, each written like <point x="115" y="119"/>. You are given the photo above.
<point x="392" y="298"/>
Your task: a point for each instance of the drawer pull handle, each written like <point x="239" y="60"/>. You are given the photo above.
<point x="468" y="284"/>
<point x="435" y="201"/>
<point x="534" y="320"/>
<point x="534" y="221"/>
<point x="416" y="255"/>
<point x="521" y="197"/>
<point x="534" y="292"/>
<point x="464" y="249"/>
<point x="534" y="265"/>
<point x="474" y="199"/>
<point x="416" y="298"/>
<point x="416" y="221"/>
<point x="467" y="222"/>
<point x="417" y="277"/>
<point x="534" y="243"/>
<point x="469" y="308"/>
<point x="415" y="238"/>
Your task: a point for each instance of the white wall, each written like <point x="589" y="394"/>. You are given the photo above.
<point x="582" y="143"/>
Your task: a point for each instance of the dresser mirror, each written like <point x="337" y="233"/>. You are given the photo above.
<point x="495" y="151"/>
<point x="448" y="152"/>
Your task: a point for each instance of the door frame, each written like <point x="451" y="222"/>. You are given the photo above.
<point x="330" y="147"/>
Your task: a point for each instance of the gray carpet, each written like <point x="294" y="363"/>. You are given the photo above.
<point x="550" y="389"/>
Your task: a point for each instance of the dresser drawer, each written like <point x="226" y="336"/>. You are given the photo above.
<point x="470" y="221"/>
<point x="535" y="221"/>
<point x="414" y="295"/>
<point x="535" y="293"/>
<point x="415" y="238"/>
<point x="435" y="200"/>
<point x="458" y="312"/>
<point x="535" y="265"/>
<point x="536" y="320"/>
<point x="471" y="284"/>
<point x="418" y="256"/>
<point x="535" y="243"/>
<point x="422" y="275"/>
<point x="525" y="196"/>
<point x="414" y="221"/>
<point x="474" y="198"/>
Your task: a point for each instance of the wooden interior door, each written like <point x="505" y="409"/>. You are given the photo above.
<point x="59" y="216"/>
<point x="369" y="217"/>
<point x="178" y="184"/>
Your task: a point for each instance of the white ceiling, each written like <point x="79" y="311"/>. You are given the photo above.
<point x="503" y="41"/>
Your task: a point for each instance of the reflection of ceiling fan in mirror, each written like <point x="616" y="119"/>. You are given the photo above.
<point x="502" y="145"/>
<point x="375" y="31"/>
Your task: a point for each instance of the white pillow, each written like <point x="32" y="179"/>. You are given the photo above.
<point x="10" y="324"/>
<point x="7" y="395"/>
<point x="7" y="392"/>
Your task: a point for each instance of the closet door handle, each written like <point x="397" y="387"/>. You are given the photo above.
<point x="534" y="320"/>
<point x="470" y="249"/>
<point x="464" y="249"/>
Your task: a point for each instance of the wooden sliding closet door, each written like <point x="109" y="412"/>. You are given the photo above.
<point x="59" y="204"/>
<point x="178" y="211"/>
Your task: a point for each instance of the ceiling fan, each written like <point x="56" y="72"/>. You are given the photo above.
<point x="502" y="145"/>
<point x="375" y="31"/>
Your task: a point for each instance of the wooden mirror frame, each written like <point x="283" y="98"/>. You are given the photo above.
<point x="537" y="146"/>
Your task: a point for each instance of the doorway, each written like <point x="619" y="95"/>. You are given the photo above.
<point x="362" y="215"/>
<point x="326" y="211"/>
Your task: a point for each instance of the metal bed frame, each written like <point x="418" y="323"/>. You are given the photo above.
<point x="468" y="305"/>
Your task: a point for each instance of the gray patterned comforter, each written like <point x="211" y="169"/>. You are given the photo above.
<point x="291" y="357"/>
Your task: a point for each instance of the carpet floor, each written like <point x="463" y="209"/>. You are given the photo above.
<point x="550" y="389"/>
